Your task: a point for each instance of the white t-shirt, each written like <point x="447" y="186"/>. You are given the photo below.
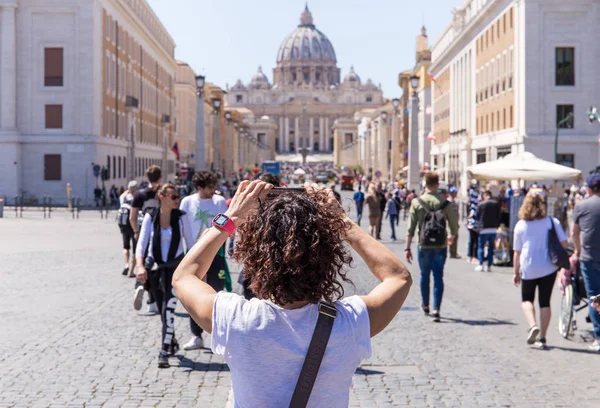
<point x="265" y="346"/>
<point x="531" y="238"/>
<point x="166" y="234"/>
<point x="199" y="214"/>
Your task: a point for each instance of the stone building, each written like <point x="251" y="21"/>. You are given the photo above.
<point x="82" y="83"/>
<point x="508" y="72"/>
<point x="307" y="94"/>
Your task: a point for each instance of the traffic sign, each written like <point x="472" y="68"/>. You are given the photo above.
<point x="378" y="174"/>
<point x="96" y="170"/>
<point x="183" y="171"/>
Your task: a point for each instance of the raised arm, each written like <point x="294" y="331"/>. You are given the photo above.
<point x="386" y="299"/>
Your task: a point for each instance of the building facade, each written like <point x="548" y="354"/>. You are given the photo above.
<point x="307" y="94"/>
<point x="83" y="84"/>
<point x="186" y="105"/>
<point x="507" y="73"/>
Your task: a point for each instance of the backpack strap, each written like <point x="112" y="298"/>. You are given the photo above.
<point x="314" y="356"/>
<point x="425" y="206"/>
<point x="444" y="205"/>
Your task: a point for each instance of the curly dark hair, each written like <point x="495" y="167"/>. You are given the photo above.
<point x="293" y="249"/>
<point x="204" y="178"/>
<point x="271" y="179"/>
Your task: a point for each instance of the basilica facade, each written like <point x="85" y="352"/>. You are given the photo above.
<point x="307" y="95"/>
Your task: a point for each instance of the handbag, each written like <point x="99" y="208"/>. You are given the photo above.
<point x="558" y="255"/>
<point x="314" y="356"/>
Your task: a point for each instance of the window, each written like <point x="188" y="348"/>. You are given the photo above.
<point x="114" y="167"/>
<point x="481" y="156"/>
<point x="119" y="163"/>
<point x="503" y="151"/>
<point x="511" y="17"/>
<point x="566" y="159"/>
<point x="511" y="116"/>
<point x="52" y="167"/>
<point x="369" y="99"/>
<point x="504" y="23"/>
<point x="564" y="112"/>
<point x="565" y="66"/>
<point x="54" y="117"/>
<point x="108" y="166"/>
<point x="504" y="119"/>
<point x="53" y="67"/>
<point x="239" y="98"/>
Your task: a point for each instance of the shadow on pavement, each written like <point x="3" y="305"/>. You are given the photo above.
<point x="192" y="365"/>
<point x="575" y="350"/>
<point x="363" y="371"/>
<point x="489" y="322"/>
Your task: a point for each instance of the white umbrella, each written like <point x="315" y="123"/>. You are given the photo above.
<point x="522" y="166"/>
<point x="299" y="172"/>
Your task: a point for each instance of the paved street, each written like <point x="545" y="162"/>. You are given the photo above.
<point x="71" y="338"/>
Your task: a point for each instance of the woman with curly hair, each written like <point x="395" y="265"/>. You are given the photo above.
<point x="532" y="265"/>
<point x="294" y="247"/>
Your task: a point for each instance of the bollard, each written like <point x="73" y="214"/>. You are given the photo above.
<point x="78" y="206"/>
<point x="49" y="207"/>
<point x="1" y="207"/>
<point x="73" y="208"/>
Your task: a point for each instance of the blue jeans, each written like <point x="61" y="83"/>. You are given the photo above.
<point x="483" y="238"/>
<point x="393" y="218"/>
<point x="359" y="211"/>
<point x="432" y="260"/>
<point x="591" y="276"/>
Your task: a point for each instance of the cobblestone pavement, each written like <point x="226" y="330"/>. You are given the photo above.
<point x="70" y="337"/>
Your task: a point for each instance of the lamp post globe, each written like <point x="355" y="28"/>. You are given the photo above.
<point x="216" y="104"/>
<point x="396" y="103"/>
<point x="384" y="115"/>
<point x="200" y="80"/>
<point x="228" y="116"/>
<point x="414" y="82"/>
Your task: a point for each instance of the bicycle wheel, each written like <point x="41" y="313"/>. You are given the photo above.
<point x="566" y="312"/>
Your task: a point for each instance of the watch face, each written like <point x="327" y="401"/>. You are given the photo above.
<point x="221" y="220"/>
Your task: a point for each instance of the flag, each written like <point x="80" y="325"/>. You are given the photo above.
<point x="432" y="77"/>
<point x="431" y="137"/>
<point x="175" y="149"/>
<point x="435" y="82"/>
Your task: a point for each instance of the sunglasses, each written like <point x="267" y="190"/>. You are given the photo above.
<point x="174" y="197"/>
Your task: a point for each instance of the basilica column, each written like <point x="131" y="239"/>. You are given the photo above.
<point x="286" y="136"/>
<point x="321" y="133"/>
<point x="8" y="68"/>
<point x="311" y="131"/>
<point x="297" y="133"/>
<point x="281" y="130"/>
<point x="327" y="133"/>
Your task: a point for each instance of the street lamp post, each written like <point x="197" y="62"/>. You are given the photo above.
<point x="228" y="138"/>
<point x="561" y="122"/>
<point x="413" y="143"/>
<point x="200" y="154"/>
<point x="216" y="103"/>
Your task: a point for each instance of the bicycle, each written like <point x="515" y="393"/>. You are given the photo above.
<point x="574" y="300"/>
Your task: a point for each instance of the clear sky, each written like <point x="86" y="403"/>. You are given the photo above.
<point x="228" y="39"/>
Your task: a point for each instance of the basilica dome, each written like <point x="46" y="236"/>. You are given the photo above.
<point x="260" y="80"/>
<point x="306" y="43"/>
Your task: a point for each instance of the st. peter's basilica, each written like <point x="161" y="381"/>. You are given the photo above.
<point x="307" y="95"/>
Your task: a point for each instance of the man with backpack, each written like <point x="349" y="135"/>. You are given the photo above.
<point x="359" y="200"/>
<point x="429" y="213"/>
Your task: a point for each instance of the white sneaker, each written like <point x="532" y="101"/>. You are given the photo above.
<point x="479" y="268"/>
<point x="152" y="308"/>
<point x="595" y="345"/>
<point x="195" y="343"/>
<point x="137" y="297"/>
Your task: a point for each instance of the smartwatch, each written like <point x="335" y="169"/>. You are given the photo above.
<point x="223" y="222"/>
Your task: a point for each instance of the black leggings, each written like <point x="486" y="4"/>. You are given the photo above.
<point x="216" y="281"/>
<point x="166" y="301"/>
<point x="473" y="242"/>
<point x="545" y="285"/>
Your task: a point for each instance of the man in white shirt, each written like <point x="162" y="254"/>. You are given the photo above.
<point x="200" y="209"/>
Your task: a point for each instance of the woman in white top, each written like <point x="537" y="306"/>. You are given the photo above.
<point x="161" y="243"/>
<point x="294" y="249"/>
<point x="532" y="265"/>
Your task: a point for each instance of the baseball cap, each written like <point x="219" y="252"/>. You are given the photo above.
<point x="593" y="181"/>
<point x="453" y="190"/>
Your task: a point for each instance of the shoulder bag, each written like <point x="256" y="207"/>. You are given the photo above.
<point x="558" y="255"/>
<point x="314" y="356"/>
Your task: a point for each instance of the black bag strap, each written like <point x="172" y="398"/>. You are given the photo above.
<point x="429" y="209"/>
<point x="314" y="356"/>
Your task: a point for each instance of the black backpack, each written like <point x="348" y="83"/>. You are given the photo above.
<point x="433" y="231"/>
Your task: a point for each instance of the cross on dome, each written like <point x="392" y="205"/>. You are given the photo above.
<point x="306" y="19"/>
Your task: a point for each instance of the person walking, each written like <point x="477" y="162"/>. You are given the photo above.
<point x="532" y="266"/>
<point x="586" y="239"/>
<point x="295" y="251"/>
<point x="129" y="241"/>
<point x="392" y="213"/>
<point x="488" y="217"/>
<point x="359" y="201"/>
<point x="473" y="225"/>
<point x="199" y="211"/>
<point x="429" y="213"/>
<point x="453" y="191"/>
<point x="382" y="203"/>
<point x="374" y="211"/>
<point x="161" y="238"/>
<point x="145" y="201"/>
